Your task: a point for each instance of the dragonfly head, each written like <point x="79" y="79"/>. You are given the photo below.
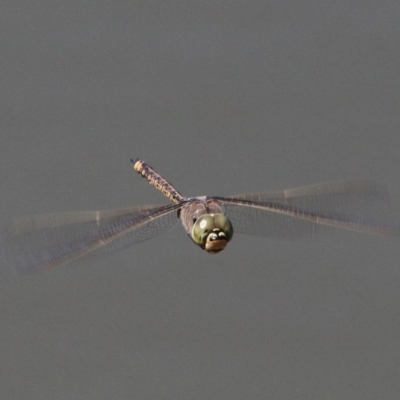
<point x="212" y="232"/>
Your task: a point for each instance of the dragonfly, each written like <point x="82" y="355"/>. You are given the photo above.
<point x="41" y="242"/>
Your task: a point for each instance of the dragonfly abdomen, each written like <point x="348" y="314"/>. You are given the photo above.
<point x="157" y="180"/>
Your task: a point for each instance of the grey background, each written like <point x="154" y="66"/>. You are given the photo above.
<point x="221" y="98"/>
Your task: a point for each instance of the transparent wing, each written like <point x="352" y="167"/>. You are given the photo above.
<point x="343" y="197"/>
<point x="44" y="241"/>
<point x="303" y="211"/>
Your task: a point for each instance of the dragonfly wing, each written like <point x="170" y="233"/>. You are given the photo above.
<point x="41" y="242"/>
<point x="304" y="211"/>
<point x="343" y="197"/>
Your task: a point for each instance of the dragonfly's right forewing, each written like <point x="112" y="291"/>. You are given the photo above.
<point x="40" y="242"/>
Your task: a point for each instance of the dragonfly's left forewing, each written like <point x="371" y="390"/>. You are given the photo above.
<point x="302" y="211"/>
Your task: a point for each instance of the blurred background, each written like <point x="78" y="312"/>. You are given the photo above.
<point x="221" y="98"/>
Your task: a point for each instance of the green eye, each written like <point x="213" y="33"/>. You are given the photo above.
<point x="212" y="228"/>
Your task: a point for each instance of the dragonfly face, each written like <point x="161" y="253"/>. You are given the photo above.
<point x="212" y="232"/>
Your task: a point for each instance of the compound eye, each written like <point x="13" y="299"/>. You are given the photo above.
<point x="222" y="223"/>
<point x="202" y="227"/>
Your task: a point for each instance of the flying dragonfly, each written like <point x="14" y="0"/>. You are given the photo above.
<point x="41" y="242"/>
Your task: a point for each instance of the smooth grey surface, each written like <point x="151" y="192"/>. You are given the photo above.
<point x="221" y="98"/>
